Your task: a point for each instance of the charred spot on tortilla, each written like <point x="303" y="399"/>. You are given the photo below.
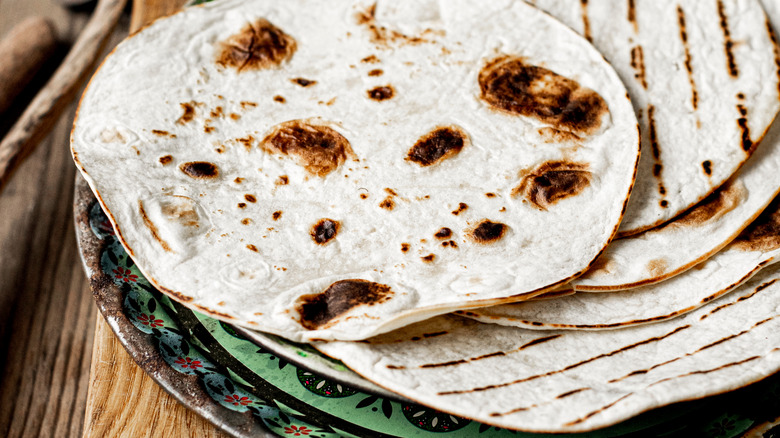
<point x="722" y="201"/>
<point x="488" y="231"/>
<point x="304" y="82"/>
<point x="252" y="248"/>
<point x="388" y="203"/>
<point x="437" y="145"/>
<point x="250" y="198"/>
<point x="257" y="46"/>
<point x="199" y="169"/>
<point x="443" y="233"/>
<point x="490" y="195"/>
<point x="319" y="149"/>
<point x="188" y="114"/>
<point x="162" y="133"/>
<point x="246" y="221"/>
<point x="371" y="59"/>
<point x="324" y="231"/>
<point x="276" y="215"/>
<point x="511" y="85"/>
<point x="376" y="72"/>
<point x="430" y="258"/>
<point x="747" y="143"/>
<point x="363" y="196"/>
<point x="381" y="93"/>
<point x="764" y="233"/>
<point x="241" y="205"/>
<point x="166" y="160"/>
<point x="461" y="208"/>
<point x="318" y="310"/>
<point x="552" y="135"/>
<point x="238" y="180"/>
<point x="405" y="247"/>
<point x="553" y="181"/>
<point x="707" y="167"/>
<point x="283" y="180"/>
<point x="280" y="99"/>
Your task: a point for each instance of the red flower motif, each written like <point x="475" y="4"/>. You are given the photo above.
<point x="150" y="320"/>
<point x="187" y="362"/>
<point x="236" y="400"/>
<point x="125" y="275"/>
<point x="297" y="431"/>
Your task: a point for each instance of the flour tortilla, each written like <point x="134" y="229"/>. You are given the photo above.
<point x="575" y="381"/>
<point x="756" y="248"/>
<point x="182" y="137"/>
<point x="646" y="46"/>
<point x="664" y="252"/>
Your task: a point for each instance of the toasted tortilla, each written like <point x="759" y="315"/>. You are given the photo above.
<point x="336" y="171"/>
<point x="755" y="248"/>
<point x="672" y="249"/>
<point x="576" y="381"/>
<point x="704" y="80"/>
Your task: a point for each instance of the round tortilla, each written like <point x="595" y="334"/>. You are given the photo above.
<point x="333" y="172"/>
<point x="704" y="80"/>
<point x="755" y="248"/>
<point x="576" y="381"/>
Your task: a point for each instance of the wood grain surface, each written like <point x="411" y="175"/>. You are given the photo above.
<point x="47" y="314"/>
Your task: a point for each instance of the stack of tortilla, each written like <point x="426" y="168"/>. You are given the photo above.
<point x="355" y="170"/>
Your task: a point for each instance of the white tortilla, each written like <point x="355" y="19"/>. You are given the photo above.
<point x="217" y="245"/>
<point x="575" y="381"/>
<point x="664" y="252"/>
<point x="754" y="249"/>
<point x="686" y="136"/>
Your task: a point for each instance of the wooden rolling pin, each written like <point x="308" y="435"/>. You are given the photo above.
<point x="22" y="53"/>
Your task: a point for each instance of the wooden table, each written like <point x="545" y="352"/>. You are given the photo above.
<point x="50" y="332"/>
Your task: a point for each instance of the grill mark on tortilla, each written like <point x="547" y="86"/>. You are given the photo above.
<point x="199" y="169"/>
<point x="776" y="49"/>
<point x="728" y="43"/>
<point x="688" y="64"/>
<point x="742" y="298"/>
<point x="303" y="82"/>
<point x="656" y="151"/>
<point x="438" y="145"/>
<point x="381" y="93"/>
<point x="747" y="143"/>
<point x="570" y="393"/>
<point x="638" y="64"/>
<point x="483" y="356"/>
<point x="166" y="160"/>
<point x="257" y="46"/>
<point x="317" y="310"/>
<point x="488" y="231"/>
<point x="553" y="181"/>
<point x="510" y="85"/>
<point x="585" y="21"/>
<point x="599" y="410"/>
<point x="707" y="167"/>
<point x="188" y="114"/>
<point x="461" y="208"/>
<point x="536" y="405"/>
<point x="317" y="148"/>
<point x="214" y="312"/>
<point x="152" y="227"/>
<point x="569" y="367"/>
<point x="632" y="15"/>
<point x="324" y="231"/>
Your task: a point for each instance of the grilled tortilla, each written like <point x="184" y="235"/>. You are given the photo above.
<point x="334" y="171"/>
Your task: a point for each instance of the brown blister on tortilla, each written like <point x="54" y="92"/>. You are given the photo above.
<point x="317" y="310"/>
<point x="319" y="149"/>
<point x="443" y="233"/>
<point x="282" y="181"/>
<point x="276" y="215"/>
<point x="200" y="169"/>
<point x="553" y="181"/>
<point x="657" y="267"/>
<point x="161" y="133"/>
<point x="430" y="258"/>
<point x="461" y="208"/>
<point x="188" y="113"/>
<point x="381" y="93"/>
<point x="280" y="99"/>
<point x="603" y="264"/>
<point x="764" y="233"/>
<point x="259" y="45"/>
<point x="166" y="160"/>
<point x="324" y="231"/>
<point x="376" y="72"/>
<point x="252" y="248"/>
<point x="180" y="209"/>
<point x="388" y="203"/>
<point x="509" y="84"/>
<point x="382" y="35"/>
<point x="250" y="198"/>
<point x="487" y="231"/>
<point x="405" y="247"/>
<point x="438" y="145"/>
<point x="303" y="82"/>
<point x="722" y="201"/>
<point x="707" y="167"/>
<point x="552" y="135"/>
